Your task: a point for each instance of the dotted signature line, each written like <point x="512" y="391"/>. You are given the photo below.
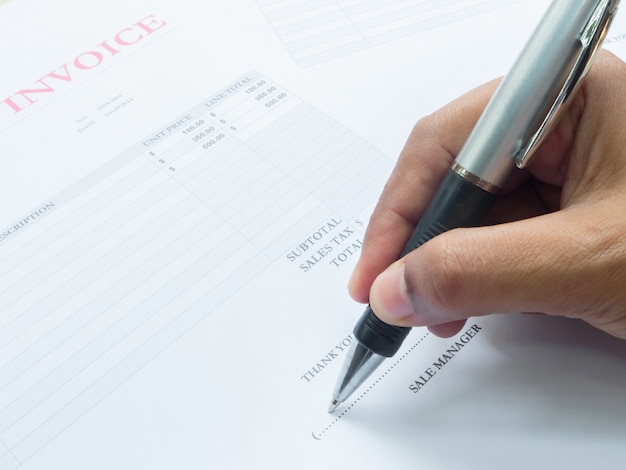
<point x="321" y="434"/>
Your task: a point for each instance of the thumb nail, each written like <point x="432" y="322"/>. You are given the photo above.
<point x="389" y="297"/>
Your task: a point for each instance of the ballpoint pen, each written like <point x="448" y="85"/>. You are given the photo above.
<point x="522" y="111"/>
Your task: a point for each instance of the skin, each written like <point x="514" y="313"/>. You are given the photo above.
<point x="554" y="243"/>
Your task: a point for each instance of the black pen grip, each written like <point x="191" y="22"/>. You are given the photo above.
<point x="457" y="203"/>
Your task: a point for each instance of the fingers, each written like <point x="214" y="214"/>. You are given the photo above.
<point x="428" y="153"/>
<point x="583" y="153"/>
<point x="553" y="264"/>
<point x="446" y="330"/>
<point x="570" y="262"/>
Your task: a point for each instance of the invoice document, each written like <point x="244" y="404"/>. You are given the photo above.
<point x="185" y="190"/>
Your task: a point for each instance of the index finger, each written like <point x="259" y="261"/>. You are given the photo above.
<point x="429" y="151"/>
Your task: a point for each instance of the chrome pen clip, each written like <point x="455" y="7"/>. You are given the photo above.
<point x="591" y="38"/>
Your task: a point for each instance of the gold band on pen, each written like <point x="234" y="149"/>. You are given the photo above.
<point x="475" y="180"/>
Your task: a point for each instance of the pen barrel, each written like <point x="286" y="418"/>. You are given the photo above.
<point x="378" y="336"/>
<point x="457" y="203"/>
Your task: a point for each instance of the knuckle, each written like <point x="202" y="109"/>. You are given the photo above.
<point x="425" y="128"/>
<point x="424" y="123"/>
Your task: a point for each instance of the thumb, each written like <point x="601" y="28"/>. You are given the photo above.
<point x="551" y="264"/>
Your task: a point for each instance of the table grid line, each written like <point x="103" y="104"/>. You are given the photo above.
<point x="87" y="345"/>
<point x="94" y="301"/>
<point x="320" y="46"/>
<point x="60" y="223"/>
<point x="61" y="255"/>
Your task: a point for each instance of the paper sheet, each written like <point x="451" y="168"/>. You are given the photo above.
<point x="185" y="196"/>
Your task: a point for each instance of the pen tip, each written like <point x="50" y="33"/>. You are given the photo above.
<point x="333" y="405"/>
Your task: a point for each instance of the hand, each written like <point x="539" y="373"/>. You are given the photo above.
<point x="555" y="241"/>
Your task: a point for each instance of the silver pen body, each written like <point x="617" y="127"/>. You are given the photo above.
<point x="528" y="93"/>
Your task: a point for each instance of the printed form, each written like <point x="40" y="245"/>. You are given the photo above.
<point x="185" y="195"/>
<point x="315" y="31"/>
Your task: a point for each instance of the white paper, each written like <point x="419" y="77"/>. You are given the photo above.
<point x="184" y="199"/>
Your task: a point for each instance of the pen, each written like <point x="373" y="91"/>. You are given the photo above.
<point x="521" y="113"/>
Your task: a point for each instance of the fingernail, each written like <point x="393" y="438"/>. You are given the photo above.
<point x="352" y="280"/>
<point x="389" y="297"/>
